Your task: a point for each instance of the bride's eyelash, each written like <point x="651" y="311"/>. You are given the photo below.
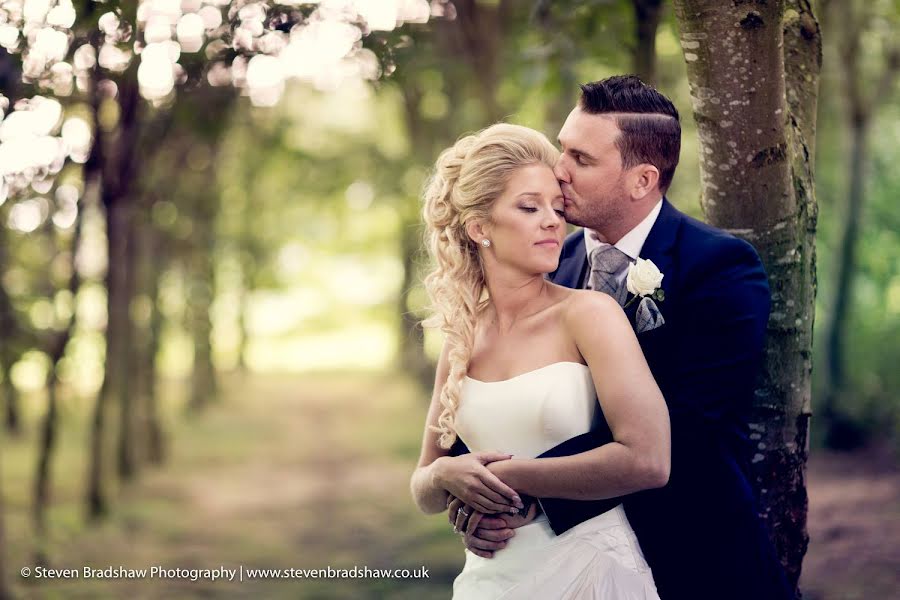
<point x="531" y="209"/>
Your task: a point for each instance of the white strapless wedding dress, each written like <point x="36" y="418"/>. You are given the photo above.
<point x="599" y="559"/>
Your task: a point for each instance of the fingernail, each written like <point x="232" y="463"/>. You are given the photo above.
<point x="514" y="510"/>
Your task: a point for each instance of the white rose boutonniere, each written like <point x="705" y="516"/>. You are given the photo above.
<point x="643" y="280"/>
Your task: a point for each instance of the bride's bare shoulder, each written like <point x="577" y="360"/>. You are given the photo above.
<point x="580" y="305"/>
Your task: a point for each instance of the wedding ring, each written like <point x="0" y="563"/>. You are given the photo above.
<point x="463" y="510"/>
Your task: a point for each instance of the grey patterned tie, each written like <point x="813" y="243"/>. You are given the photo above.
<point x="606" y="262"/>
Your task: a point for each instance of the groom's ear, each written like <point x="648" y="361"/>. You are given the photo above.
<point x="644" y="181"/>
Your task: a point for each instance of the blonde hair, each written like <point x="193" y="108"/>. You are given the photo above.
<point x="468" y="177"/>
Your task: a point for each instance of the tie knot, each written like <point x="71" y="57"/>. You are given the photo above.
<point x="608" y="259"/>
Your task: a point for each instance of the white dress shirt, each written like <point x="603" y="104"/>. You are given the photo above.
<point x="631" y="243"/>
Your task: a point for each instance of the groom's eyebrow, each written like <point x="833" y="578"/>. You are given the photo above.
<point x="576" y="151"/>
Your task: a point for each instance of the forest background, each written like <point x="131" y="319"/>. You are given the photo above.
<point x="211" y="263"/>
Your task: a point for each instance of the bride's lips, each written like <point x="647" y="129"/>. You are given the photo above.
<point x="547" y="243"/>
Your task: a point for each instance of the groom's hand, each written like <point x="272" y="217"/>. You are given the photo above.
<point x="485" y="534"/>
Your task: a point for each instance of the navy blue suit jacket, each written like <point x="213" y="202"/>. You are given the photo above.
<point x="701" y="533"/>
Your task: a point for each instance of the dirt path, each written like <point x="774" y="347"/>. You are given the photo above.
<point x="312" y="473"/>
<point x="854" y="527"/>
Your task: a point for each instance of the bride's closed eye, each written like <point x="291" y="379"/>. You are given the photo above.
<point x="531" y="209"/>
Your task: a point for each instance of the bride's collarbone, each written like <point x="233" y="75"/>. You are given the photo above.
<point x="501" y="357"/>
<point x="531" y="324"/>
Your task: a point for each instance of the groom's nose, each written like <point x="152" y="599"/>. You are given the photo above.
<point x="562" y="174"/>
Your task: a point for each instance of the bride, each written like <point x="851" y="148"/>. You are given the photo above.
<point x="522" y="369"/>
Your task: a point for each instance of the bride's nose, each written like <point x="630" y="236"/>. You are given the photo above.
<point x="551" y="220"/>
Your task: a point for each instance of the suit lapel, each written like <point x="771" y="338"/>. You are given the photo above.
<point x="658" y="248"/>
<point x="660" y="243"/>
<point x="572" y="266"/>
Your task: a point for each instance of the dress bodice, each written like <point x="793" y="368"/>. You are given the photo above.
<point x="599" y="558"/>
<point x="530" y="413"/>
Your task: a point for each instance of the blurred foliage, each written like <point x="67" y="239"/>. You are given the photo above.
<point x="313" y="194"/>
<point x="859" y="93"/>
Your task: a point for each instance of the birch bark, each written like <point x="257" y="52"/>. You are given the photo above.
<point x="753" y="69"/>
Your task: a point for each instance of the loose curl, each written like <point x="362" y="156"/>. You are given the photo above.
<point x="468" y="177"/>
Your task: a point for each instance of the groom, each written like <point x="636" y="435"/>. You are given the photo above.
<point x="702" y="337"/>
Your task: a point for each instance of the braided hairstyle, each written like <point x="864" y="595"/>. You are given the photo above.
<point x="468" y="177"/>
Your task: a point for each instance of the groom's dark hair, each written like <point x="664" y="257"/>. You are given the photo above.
<point x="651" y="131"/>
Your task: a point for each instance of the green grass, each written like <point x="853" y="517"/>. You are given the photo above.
<point x="285" y="471"/>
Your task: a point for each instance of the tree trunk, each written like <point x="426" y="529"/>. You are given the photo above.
<point x="10" y="393"/>
<point x="118" y="179"/>
<point x="412" y="357"/>
<point x="5" y="592"/>
<point x="42" y="477"/>
<point x="121" y="229"/>
<point x="201" y="286"/>
<point x="145" y="264"/>
<point x="154" y="450"/>
<point x="647" y="14"/>
<point x="756" y="179"/>
<point x="114" y="158"/>
<point x="8" y="332"/>
<point x="561" y="85"/>
<point x="96" y="501"/>
<point x="477" y="34"/>
<point x="861" y="107"/>
<point x="243" y="307"/>
<point x="50" y="426"/>
<point x="846" y="266"/>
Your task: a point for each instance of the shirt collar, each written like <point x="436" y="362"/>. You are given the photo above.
<point x="633" y="241"/>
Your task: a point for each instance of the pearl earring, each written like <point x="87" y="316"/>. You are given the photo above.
<point x="486" y="243"/>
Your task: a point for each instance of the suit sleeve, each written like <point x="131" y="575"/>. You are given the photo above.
<point x="712" y="365"/>
<point x="721" y="335"/>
